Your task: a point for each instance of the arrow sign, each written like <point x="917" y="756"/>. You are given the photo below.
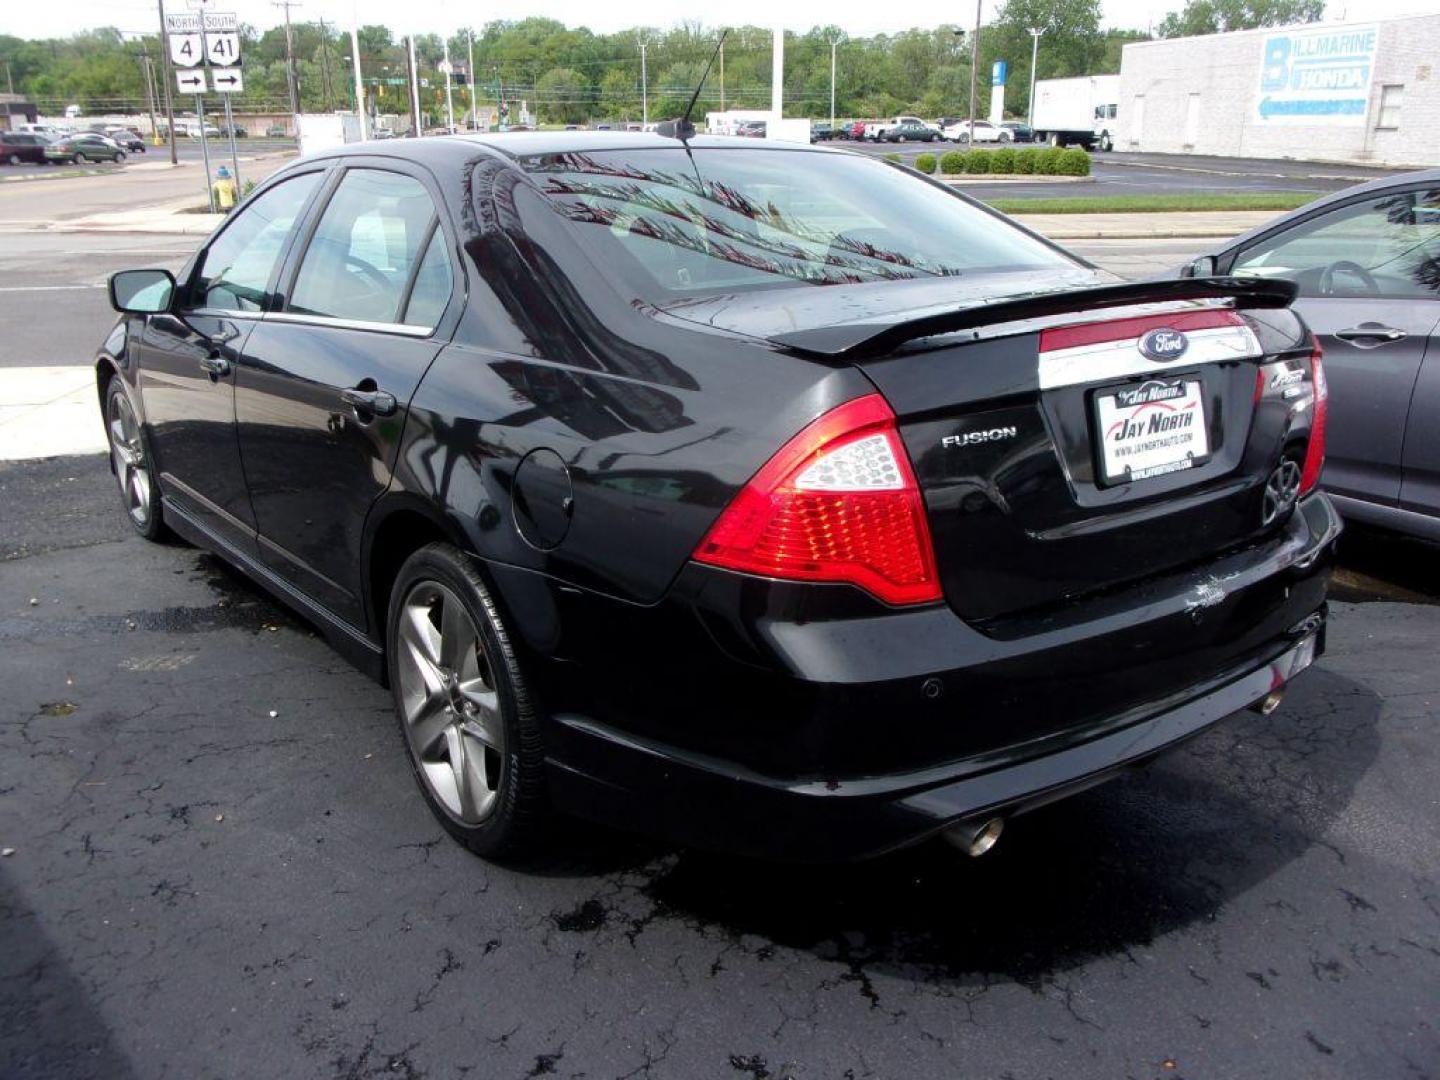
<point x="190" y="82"/>
<point x="227" y="80"/>
<point x="222" y="48"/>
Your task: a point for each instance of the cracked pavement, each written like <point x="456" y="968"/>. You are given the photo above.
<point x="199" y="889"/>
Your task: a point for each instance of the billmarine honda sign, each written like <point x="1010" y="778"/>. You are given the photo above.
<point x="1362" y="91"/>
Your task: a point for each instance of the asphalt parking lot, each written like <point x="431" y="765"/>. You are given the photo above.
<point x="219" y="865"/>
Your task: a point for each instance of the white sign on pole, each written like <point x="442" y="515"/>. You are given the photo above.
<point x="227" y="80"/>
<point x="222" y="48"/>
<point x="221" y="21"/>
<point x="190" y="82"/>
<point x="186" y="43"/>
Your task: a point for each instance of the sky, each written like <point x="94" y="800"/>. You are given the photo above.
<point x="63" y="17"/>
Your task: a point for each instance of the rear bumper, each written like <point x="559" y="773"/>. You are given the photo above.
<point x="845" y="754"/>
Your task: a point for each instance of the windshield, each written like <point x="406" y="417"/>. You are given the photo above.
<point x="677" y="224"/>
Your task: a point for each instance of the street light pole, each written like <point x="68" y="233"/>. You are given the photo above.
<point x="974" y="64"/>
<point x="169" y="78"/>
<point x="644" y="88"/>
<point x="359" y="86"/>
<point x="449" y="100"/>
<point x="834" y="44"/>
<point x="470" y="55"/>
<point x="416" y="128"/>
<point x="1034" y="52"/>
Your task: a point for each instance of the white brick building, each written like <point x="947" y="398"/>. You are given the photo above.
<point x="1353" y="91"/>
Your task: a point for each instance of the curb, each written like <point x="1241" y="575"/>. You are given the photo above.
<point x="956" y="179"/>
<point x="1354" y="177"/>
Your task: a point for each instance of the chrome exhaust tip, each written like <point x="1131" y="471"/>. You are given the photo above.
<point x="1269" y="703"/>
<point x="975" y="838"/>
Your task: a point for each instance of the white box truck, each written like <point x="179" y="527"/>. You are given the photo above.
<point x="1079" y="111"/>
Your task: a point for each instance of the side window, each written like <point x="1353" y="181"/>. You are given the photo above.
<point x="235" y="270"/>
<point x="366" y="248"/>
<point x="1388" y="246"/>
<point x="431" y="291"/>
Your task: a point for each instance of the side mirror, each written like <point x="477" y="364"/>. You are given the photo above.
<point x="1204" y="266"/>
<point x="142" y="292"/>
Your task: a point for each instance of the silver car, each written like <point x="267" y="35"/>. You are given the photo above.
<point x="1367" y="262"/>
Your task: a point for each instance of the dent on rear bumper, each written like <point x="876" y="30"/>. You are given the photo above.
<point x="635" y="779"/>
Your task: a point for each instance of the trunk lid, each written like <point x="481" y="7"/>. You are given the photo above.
<point x="1023" y="409"/>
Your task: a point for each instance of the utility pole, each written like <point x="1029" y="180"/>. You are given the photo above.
<point x="9" y="82"/>
<point x="415" y="127"/>
<point x="359" y="86"/>
<point x="1034" y="53"/>
<point x="169" y="80"/>
<point x="290" y="59"/>
<point x="470" y="57"/>
<point x="974" y="64"/>
<point x="644" y="87"/>
<point x="325" y="61"/>
<point x="149" y="88"/>
<point x="722" y="74"/>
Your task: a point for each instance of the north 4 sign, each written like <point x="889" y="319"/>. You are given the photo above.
<point x="227" y="80"/>
<point x="222" y="48"/>
<point x="185" y="50"/>
<point x="190" y="82"/>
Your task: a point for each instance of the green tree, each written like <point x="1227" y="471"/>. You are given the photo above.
<point x="1216" y="16"/>
<point x="562" y="97"/>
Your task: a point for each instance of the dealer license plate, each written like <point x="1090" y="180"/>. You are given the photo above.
<point x="1152" y="429"/>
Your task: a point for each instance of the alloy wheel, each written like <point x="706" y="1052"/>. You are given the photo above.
<point x="448" y="698"/>
<point x="127" y="451"/>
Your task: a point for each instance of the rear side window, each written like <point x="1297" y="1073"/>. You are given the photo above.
<point x="234" y="272"/>
<point x="370" y="246"/>
<point x="432" y="285"/>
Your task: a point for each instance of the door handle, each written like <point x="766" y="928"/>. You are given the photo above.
<point x="215" y="366"/>
<point x="374" y="402"/>
<point x="1373" y="332"/>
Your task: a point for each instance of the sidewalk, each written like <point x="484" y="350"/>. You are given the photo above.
<point x="48" y="411"/>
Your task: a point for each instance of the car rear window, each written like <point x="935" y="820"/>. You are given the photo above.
<point x="677" y="223"/>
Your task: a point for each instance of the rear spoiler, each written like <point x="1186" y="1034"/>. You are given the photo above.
<point x="859" y="341"/>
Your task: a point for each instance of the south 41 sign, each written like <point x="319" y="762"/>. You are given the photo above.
<point x="222" y="49"/>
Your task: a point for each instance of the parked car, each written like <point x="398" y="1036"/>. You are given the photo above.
<point x="1019" y="131"/>
<point x="85" y="147"/>
<point x="126" y="139"/>
<point x="276" y="131"/>
<point x="857" y="130"/>
<point x="751" y="129"/>
<point x="910" y="131"/>
<point x="821" y="131"/>
<point x="18" y="147"/>
<point x="985" y="132"/>
<point x="875" y="131"/>
<point x="1367" y="264"/>
<point x="754" y="480"/>
<point x="241" y="132"/>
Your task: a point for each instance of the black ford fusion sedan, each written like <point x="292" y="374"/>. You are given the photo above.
<point x="772" y="498"/>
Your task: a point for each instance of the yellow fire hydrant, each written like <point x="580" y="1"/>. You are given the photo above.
<point x="224" y="189"/>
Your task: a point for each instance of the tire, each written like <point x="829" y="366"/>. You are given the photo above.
<point x="80" y="159"/>
<point x="119" y="156"/>
<point x="900" y="138"/>
<point x="1005" y="136"/>
<point x="130" y="463"/>
<point x="1106" y="145"/>
<point x="458" y="688"/>
<point x="13" y="159"/>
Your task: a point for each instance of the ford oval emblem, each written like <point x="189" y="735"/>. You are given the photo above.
<point x="1164" y="344"/>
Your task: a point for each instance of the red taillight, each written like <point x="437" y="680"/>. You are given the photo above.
<point x="1315" y="452"/>
<point x="838" y="502"/>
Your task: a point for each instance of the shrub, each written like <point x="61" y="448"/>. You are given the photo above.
<point x="977" y="161"/>
<point x="1002" y="160"/>
<point x="892" y="156"/>
<point x="952" y="162"/>
<point x="1025" y="161"/>
<point x="926" y="164"/>
<point x="1074" y="162"/>
<point x="1049" y="161"/>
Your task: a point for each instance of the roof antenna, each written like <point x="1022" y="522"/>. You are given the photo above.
<point x="683" y="129"/>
